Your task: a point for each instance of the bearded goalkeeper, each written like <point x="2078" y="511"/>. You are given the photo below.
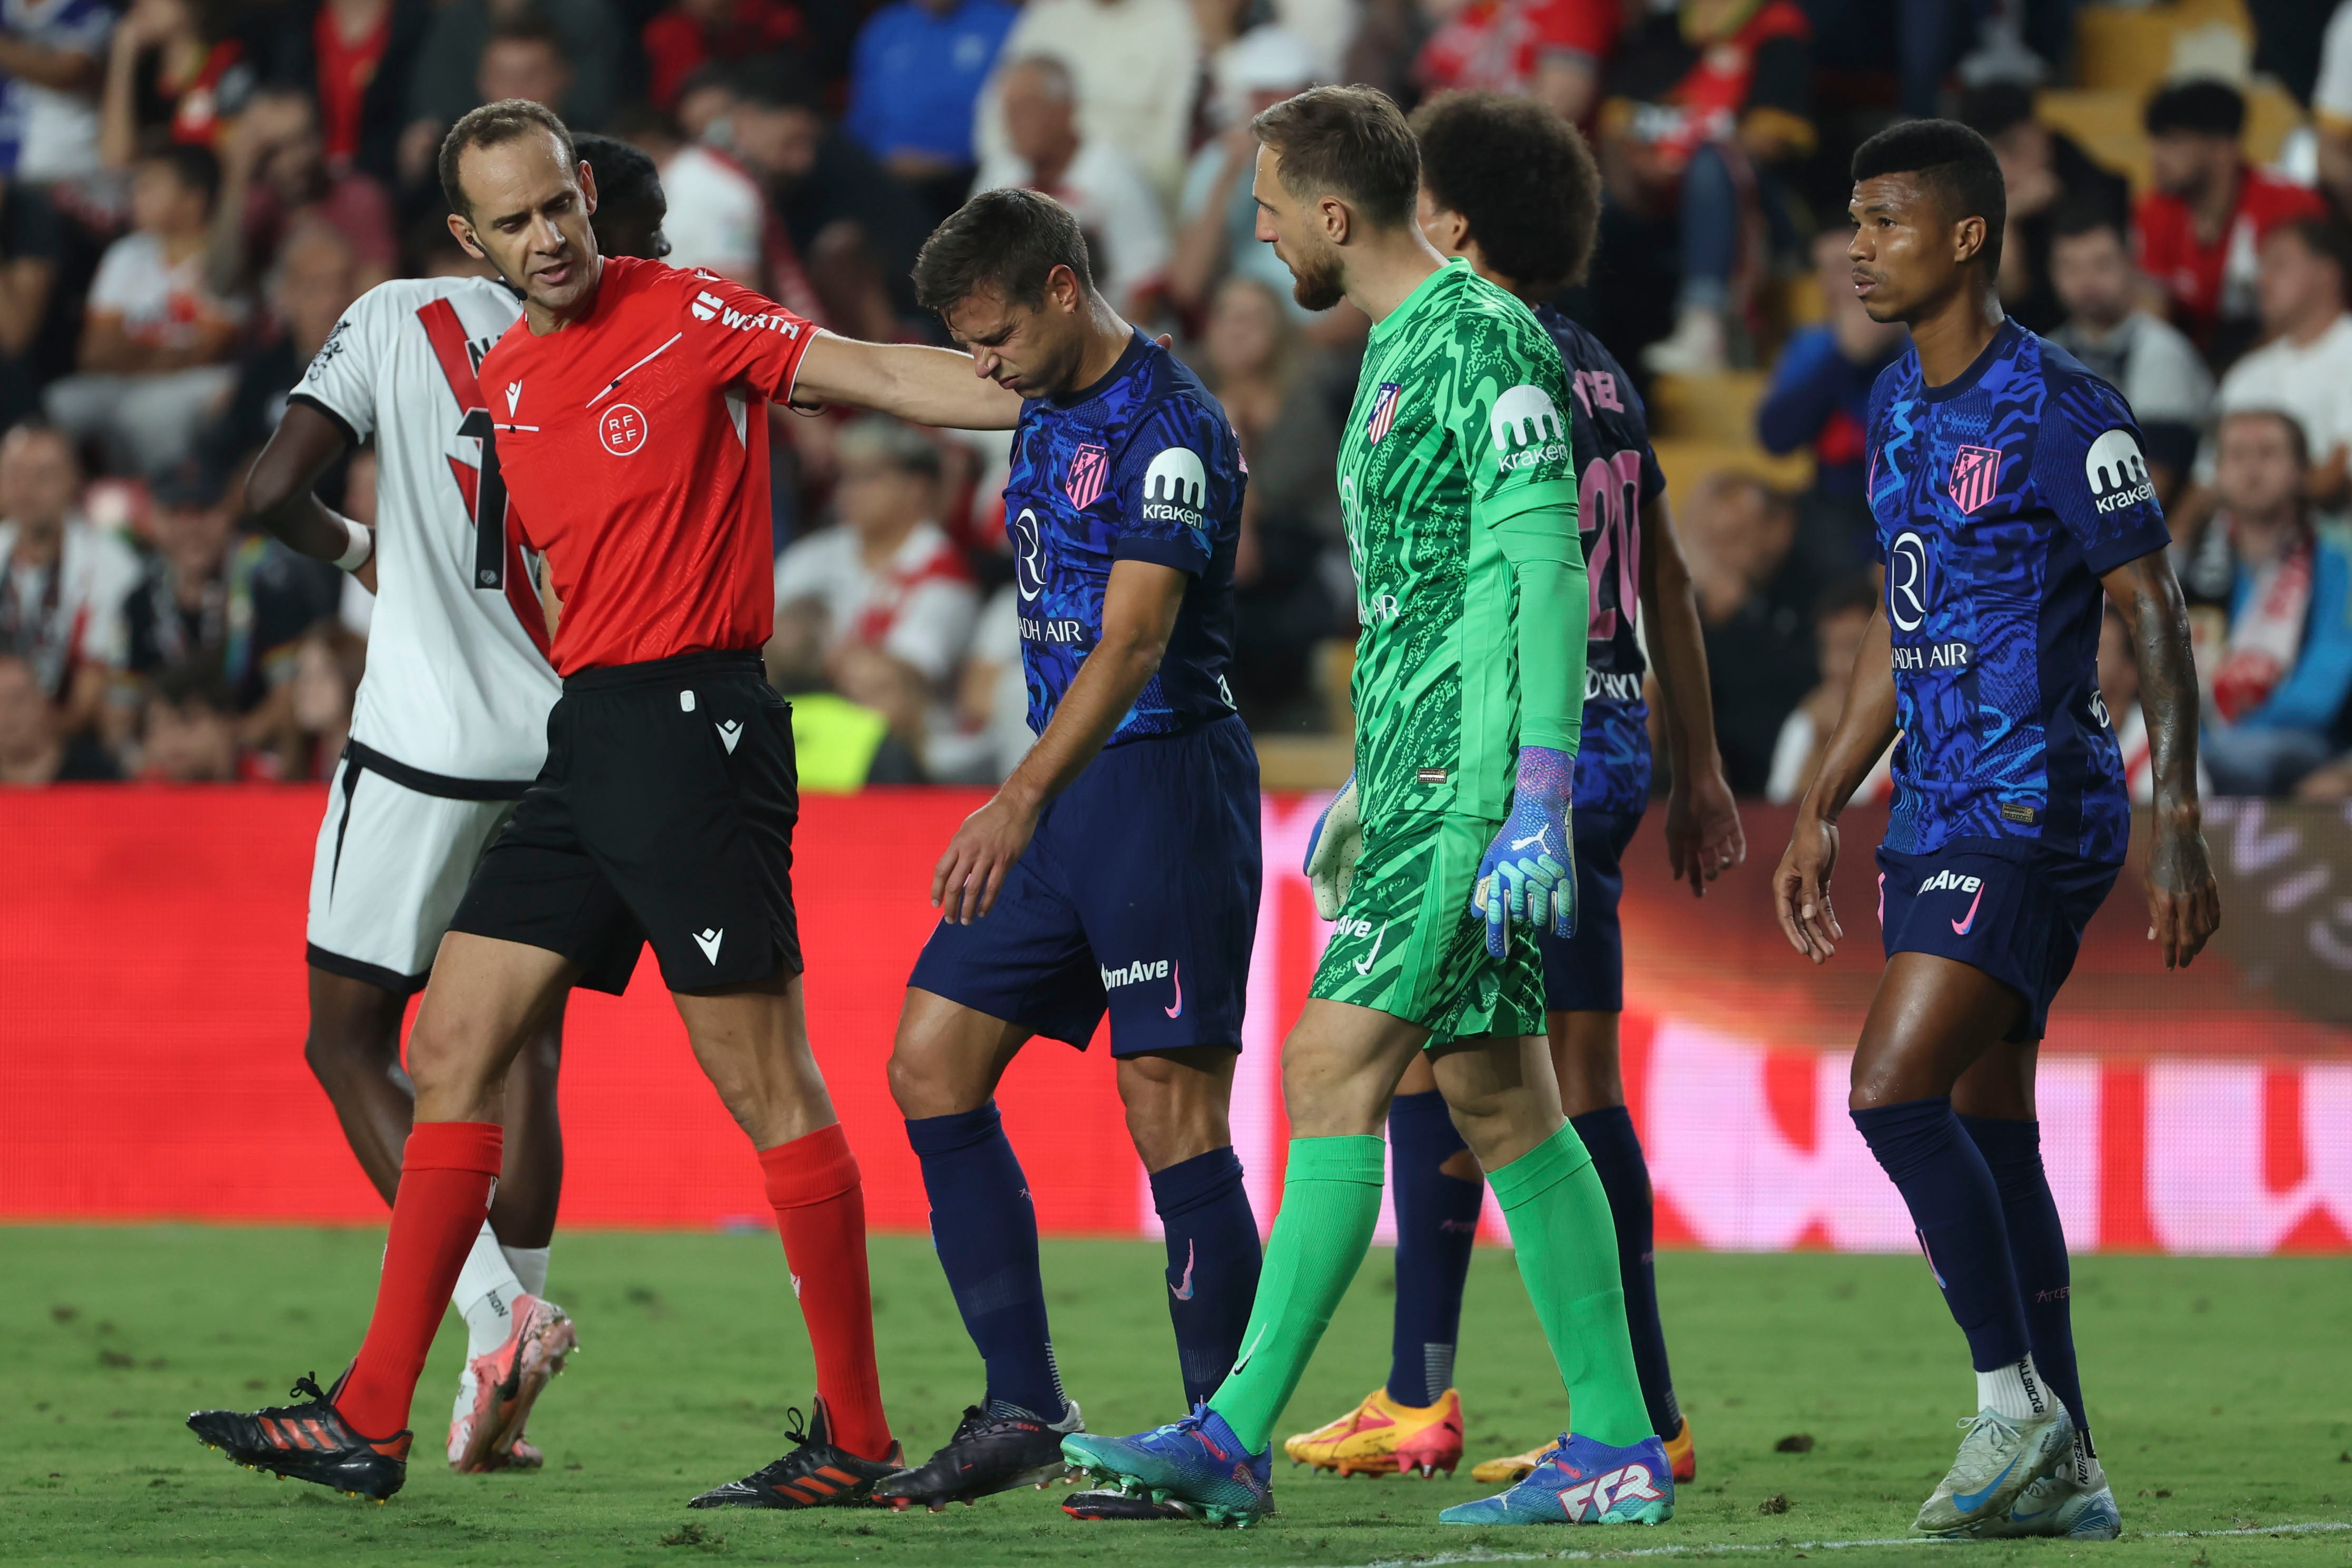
<point x="1459" y="495"/>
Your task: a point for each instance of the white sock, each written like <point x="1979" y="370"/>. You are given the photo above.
<point x="2015" y="1392"/>
<point x="486" y="1287"/>
<point x="529" y="1264"/>
<point x="2088" y="1474"/>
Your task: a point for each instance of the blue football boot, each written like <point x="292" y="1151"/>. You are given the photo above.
<point x="1197" y="1461"/>
<point x="1582" y="1481"/>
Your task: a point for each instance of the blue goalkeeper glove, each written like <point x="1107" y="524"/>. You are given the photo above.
<point x="1332" y="849"/>
<point x="1528" y="873"/>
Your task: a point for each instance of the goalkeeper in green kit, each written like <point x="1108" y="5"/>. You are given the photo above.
<point x="1459" y="495"/>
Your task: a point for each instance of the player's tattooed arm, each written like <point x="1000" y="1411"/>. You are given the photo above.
<point x="926" y="386"/>
<point x="1139" y="615"/>
<point x="1703" y="833"/>
<point x="2184" y="903"/>
<point x="278" y="492"/>
<point x="1800" y="887"/>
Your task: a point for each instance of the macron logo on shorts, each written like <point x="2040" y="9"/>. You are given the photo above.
<point x="707" y="940"/>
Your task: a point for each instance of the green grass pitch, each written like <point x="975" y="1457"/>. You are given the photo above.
<point x="2221" y="1392"/>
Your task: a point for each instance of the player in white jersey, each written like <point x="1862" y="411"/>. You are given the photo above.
<point x="448" y="730"/>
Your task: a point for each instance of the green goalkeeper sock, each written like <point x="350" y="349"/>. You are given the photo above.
<point x="1330" y="1201"/>
<point x="1567" y="1246"/>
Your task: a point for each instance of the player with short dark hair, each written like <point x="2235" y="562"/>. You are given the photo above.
<point x="1460" y="497"/>
<point x="2009" y="487"/>
<point x="1117" y="870"/>
<point x="629" y="410"/>
<point x="1510" y="186"/>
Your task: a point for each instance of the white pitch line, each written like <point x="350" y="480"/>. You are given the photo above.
<point x="1446" y="1559"/>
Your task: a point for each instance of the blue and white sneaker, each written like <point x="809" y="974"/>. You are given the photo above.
<point x="2065" y="1503"/>
<point x="1196" y="1460"/>
<point x="1999" y="1459"/>
<point x="1582" y="1481"/>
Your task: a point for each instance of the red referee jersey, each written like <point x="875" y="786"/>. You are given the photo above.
<point x="635" y="446"/>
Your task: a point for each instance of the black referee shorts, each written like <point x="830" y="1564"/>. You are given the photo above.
<point x="665" y="814"/>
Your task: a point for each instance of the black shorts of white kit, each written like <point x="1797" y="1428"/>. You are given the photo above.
<point x="665" y="814"/>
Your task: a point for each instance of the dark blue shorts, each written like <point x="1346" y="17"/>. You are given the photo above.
<point x="1586" y="973"/>
<point x="1139" y="895"/>
<point x="2012" y="907"/>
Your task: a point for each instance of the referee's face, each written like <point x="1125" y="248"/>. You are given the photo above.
<point x="529" y="212"/>
<point x="1902" y="255"/>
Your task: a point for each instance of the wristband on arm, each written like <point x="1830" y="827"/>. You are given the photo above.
<point x="362" y="545"/>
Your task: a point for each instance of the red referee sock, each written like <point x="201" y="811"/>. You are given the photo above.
<point x="821" y="1210"/>
<point x="446" y="1178"/>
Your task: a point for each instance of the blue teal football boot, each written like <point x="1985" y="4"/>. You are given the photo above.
<point x="1582" y="1480"/>
<point x="1196" y="1460"/>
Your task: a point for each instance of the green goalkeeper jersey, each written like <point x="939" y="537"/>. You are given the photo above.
<point x="1460" y="424"/>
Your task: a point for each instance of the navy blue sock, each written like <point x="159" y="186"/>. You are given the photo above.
<point x="986" y="1229"/>
<point x="1437" y="1224"/>
<point x="1956" y="1210"/>
<point x="2037" y="1249"/>
<point x="1212" y="1262"/>
<point x="1616" y="1151"/>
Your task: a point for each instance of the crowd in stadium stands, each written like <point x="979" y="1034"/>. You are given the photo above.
<point x="193" y="190"/>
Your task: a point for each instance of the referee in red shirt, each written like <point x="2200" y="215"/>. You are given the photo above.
<point x="628" y="406"/>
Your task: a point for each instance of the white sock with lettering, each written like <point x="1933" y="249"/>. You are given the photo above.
<point x="2015" y="1392"/>
<point x="485" y="1291"/>
<point x="2088" y="1473"/>
<point x="529" y="1264"/>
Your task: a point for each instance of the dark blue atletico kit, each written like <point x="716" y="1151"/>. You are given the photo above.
<point x="1616" y="472"/>
<point x="1139" y="892"/>
<point x="2000" y="498"/>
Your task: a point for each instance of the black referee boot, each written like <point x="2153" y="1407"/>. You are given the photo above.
<point x="818" y="1473"/>
<point x="309" y="1441"/>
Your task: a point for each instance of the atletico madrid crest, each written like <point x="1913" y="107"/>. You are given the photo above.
<point x="1384" y="411"/>
<point x="1976" y="474"/>
<point x="1089" y="467"/>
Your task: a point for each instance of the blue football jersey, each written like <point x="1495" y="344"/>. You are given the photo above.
<point x="2000" y="498"/>
<point x="1609" y="435"/>
<point x="1142" y="465"/>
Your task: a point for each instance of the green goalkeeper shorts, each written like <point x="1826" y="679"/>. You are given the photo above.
<point x="1407" y="943"/>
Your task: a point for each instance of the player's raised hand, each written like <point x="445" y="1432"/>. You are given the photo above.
<point x="1703" y="838"/>
<point x="1528" y="873"/>
<point x="1800" y="889"/>
<point x="1332" y="849"/>
<point x="2184" y="901"/>
<point x="969" y="876"/>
